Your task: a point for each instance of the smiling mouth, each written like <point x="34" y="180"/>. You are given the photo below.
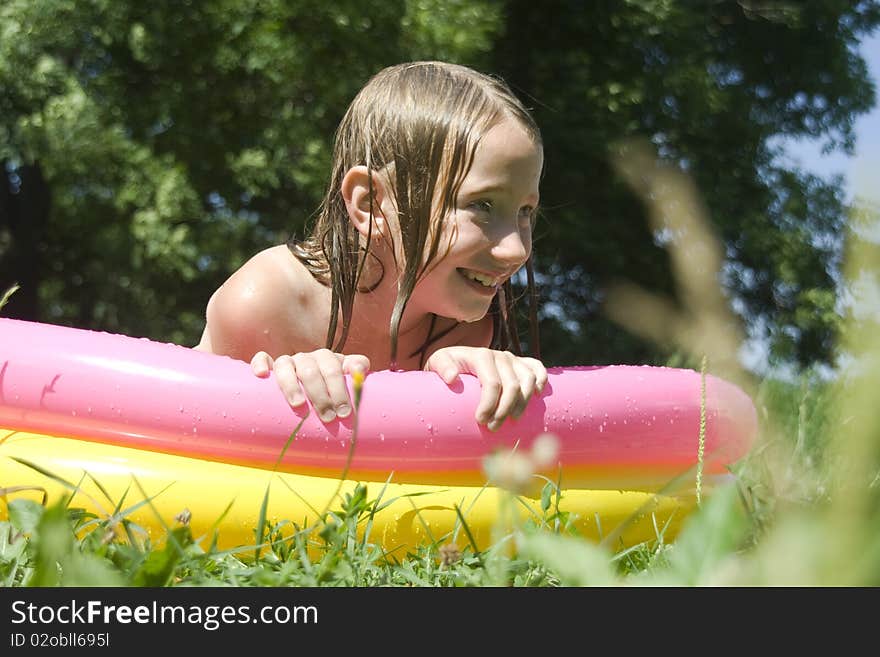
<point x="488" y="282"/>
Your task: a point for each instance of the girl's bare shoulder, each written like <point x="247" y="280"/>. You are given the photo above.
<point x="267" y="278"/>
<point x="265" y="305"/>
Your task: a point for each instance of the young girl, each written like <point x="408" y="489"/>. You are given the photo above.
<point x="428" y="214"/>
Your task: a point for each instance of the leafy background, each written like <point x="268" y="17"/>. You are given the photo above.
<point x="150" y="148"/>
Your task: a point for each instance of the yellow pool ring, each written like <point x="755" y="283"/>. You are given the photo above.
<point x="410" y="514"/>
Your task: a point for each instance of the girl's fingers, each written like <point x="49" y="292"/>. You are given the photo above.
<point x="287" y="379"/>
<point x="540" y="372"/>
<point x="527" y="385"/>
<point x="491" y="384"/>
<point x="442" y="362"/>
<point x="339" y="404"/>
<point x="318" y="376"/>
<point x="507" y="381"/>
<point x="355" y="362"/>
<point x="261" y="364"/>
<point x="311" y="375"/>
<point x="511" y="398"/>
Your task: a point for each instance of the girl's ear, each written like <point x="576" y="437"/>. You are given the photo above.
<point x="359" y="192"/>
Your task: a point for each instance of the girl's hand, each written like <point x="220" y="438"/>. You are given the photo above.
<point x="316" y="375"/>
<point x="507" y="381"/>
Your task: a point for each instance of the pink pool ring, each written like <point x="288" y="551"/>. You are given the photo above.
<point x="615" y="426"/>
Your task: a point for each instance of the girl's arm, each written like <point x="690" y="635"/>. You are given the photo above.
<point x="264" y="315"/>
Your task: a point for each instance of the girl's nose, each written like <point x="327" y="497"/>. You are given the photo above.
<point x="513" y="247"/>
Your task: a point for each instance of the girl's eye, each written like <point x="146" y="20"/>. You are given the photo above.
<point x="526" y="213"/>
<point x="482" y="206"/>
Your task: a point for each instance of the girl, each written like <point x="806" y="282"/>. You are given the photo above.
<point x="428" y="214"/>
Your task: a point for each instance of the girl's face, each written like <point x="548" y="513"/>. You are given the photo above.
<point x="487" y="236"/>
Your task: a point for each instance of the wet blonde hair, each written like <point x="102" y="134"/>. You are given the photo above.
<point x="424" y="119"/>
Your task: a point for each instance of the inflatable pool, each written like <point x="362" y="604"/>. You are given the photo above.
<point x="122" y="418"/>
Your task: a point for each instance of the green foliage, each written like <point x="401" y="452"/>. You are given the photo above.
<point x="171" y="141"/>
<point x="713" y="86"/>
<point x="450" y="30"/>
<point x="55" y="559"/>
<point x="575" y="562"/>
<point x="150" y="148"/>
<point x="707" y="539"/>
<point x="159" y="565"/>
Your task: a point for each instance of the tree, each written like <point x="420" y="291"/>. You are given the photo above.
<point x="713" y="86"/>
<point x="149" y="148"/>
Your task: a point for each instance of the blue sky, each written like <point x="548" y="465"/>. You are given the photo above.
<point x="862" y="171"/>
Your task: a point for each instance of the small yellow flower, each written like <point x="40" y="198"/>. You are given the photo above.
<point x="357" y="382"/>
